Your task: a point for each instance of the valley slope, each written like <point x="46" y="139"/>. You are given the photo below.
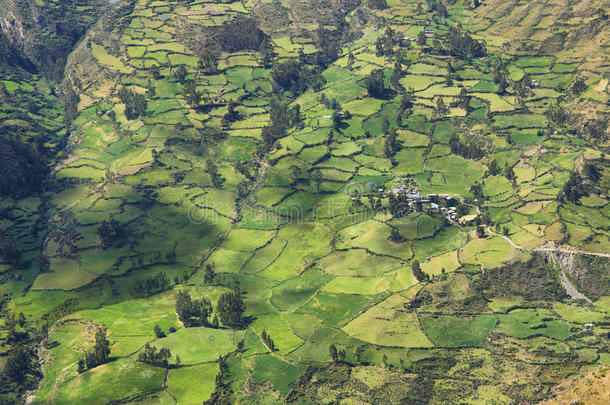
<point x="397" y="191"/>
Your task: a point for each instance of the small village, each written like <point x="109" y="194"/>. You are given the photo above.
<point x="408" y="197"/>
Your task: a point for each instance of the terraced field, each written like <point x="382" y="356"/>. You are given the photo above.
<point x="309" y="220"/>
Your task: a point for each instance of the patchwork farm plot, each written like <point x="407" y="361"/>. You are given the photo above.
<point x="363" y="227"/>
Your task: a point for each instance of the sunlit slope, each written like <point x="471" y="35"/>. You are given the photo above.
<point x="180" y="159"/>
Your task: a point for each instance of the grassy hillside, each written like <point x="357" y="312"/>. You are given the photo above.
<point x="282" y="145"/>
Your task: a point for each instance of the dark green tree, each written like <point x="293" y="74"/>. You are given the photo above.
<point x="191" y="95"/>
<point x="150" y="355"/>
<point x="493" y="167"/>
<point x="111" y="233"/>
<point x="209" y="275"/>
<point x="9" y="252"/>
<point x="395" y="235"/>
<point x="192" y="312"/>
<point x="100" y="351"/>
<point x="418" y="272"/>
<point x="158" y="332"/>
<point x="212" y="170"/>
<point x="359" y="354"/>
<point x="230" y="309"/>
<point x="154" y="72"/>
<point x="377" y="4"/>
<point x="441" y="107"/>
<point x="17" y="364"/>
<point x="509" y="172"/>
<point x="578" y="86"/>
<point x="334" y="353"/>
<point x="208" y="61"/>
<point x="135" y="103"/>
<point x="375" y="83"/>
<point x="421" y="38"/>
<point x="267" y="340"/>
<point x="180" y="74"/>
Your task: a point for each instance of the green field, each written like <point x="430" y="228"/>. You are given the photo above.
<point x="401" y="209"/>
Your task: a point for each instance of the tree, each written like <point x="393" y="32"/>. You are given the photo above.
<point x="406" y="101"/>
<point x="418" y="272"/>
<point x="493" y="168"/>
<point x="556" y="114"/>
<point x="421" y="38"/>
<point x="480" y="231"/>
<point x="230" y="309"/>
<point x="191" y="95"/>
<point x="395" y="82"/>
<point x="150" y="355"/>
<point x="292" y="76"/>
<point x="350" y="60"/>
<point x="441" y="107"/>
<point x="111" y="233"/>
<point x="375" y="83"/>
<point x="9" y="252"/>
<point x="267" y="52"/>
<point x="377" y="4"/>
<point x="238" y="34"/>
<point x="209" y="275"/>
<point x="395" y="235"/>
<point x="135" y="103"/>
<point x="316" y="175"/>
<point x="192" y="312"/>
<point x="180" y="74"/>
<point x="158" y="332"/>
<point x="590" y="171"/>
<point x="462" y="45"/>
<point x="150" y="89"/>
<point x="295" y="172"/>
<point x="578" y="86"/>
<point x="267" y="340"/>
<point x="464" y="99"/>
<point x="21" y="320"/>
<point x="212" y="170"/>
<point x="17" y="363"/>
<point x="509" y="172"/>
<point x="154" y="72"/>
<point x="379" y="46"/>
<point x="102" y="346"/>
<point x="387" y="149"/>
<point x="359" y="354"/>
<point x="100" y="351"/>
<point x="336" y="118"/>
<point x="477" y="191"/>
<point x="152" y="284"/>
<point x="334" y="353"/>
<point x="573" y="189"/>
<point x="500" y="76"/>
<point x="208" y="61"/>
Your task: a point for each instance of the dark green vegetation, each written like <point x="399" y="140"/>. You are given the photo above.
<point x="217" y="201"/>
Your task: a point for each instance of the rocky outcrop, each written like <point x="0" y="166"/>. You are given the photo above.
<point x="590" y="273"/>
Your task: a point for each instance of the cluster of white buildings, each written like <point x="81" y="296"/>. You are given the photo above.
<point x="413" y="195"/>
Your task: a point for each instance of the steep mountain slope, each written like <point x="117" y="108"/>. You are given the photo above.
<point x="46" y="30"/>
<point x="306" y="154"/>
